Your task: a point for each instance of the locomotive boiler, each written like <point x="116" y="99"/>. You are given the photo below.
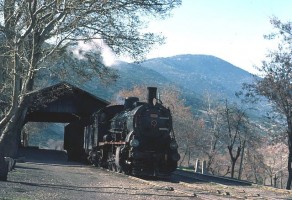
<point x="136" y="138"/>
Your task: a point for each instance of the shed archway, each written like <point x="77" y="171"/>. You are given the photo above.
<point x="64" y="103"/>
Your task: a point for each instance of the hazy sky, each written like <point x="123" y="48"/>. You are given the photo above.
<point x="229" y="29"/>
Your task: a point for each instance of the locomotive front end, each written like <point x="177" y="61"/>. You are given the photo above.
<point x="153" y="146"/>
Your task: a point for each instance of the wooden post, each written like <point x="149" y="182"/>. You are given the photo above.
<point x="24" y="138"/>
<point x="198" y="167"/>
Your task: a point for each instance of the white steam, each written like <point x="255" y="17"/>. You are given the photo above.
<point x="95" y="45"/>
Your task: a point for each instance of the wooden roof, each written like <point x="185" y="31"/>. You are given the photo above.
<point x="62" y="103"/>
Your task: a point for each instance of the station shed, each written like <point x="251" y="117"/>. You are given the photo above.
<point x="65" y="103"/>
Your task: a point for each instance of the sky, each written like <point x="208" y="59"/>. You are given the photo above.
<point x="228" y="29"/>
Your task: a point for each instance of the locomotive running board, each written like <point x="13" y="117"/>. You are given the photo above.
<point x="111" y="143"/>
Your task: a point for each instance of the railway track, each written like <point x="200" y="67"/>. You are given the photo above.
<point x="179" y="188"/>
<point x="199" y="186"/>
<point x="196" y="185"/>
<point x="188" y="184"/>
<point x="211" y="178"/>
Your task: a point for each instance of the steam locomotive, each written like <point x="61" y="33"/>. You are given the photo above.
<point x="135" y="138"/>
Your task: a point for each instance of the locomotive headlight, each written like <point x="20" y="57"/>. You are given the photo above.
<point x="134" y="143"/>
<point x="173" y="145"/>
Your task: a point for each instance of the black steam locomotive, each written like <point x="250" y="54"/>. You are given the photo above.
<point x="135" y="138"/>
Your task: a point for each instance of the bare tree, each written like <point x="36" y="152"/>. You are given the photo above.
<point x="235" y="131"/>
<point x="254" y="167"/>
<point x="34" y="30"/>
<point x="226" y="124"/>
<point x="274" y="160"/>
<point x="276" y="84"/>
<point x="213" y="128"/>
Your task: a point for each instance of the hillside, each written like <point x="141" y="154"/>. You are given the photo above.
<point x="201" y="73"/>
<point x="193" y="75"/>
<point x="129" y="76"/>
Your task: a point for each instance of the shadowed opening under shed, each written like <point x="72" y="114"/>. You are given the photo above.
<point x="67" y="104"/>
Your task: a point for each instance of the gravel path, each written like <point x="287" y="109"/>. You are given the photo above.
<point x="47" y="175"/>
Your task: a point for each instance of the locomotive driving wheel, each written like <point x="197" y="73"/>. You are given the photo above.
<point x="95" y="158"/>
<point x="117" y="161"/>
<point x="118" y="169"/>
<point x="111" y="162"/>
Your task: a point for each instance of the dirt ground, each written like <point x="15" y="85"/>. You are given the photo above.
<point x="47" y="174"/>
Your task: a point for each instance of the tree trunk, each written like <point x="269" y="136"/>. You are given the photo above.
<point x="233" y="158"/>
<point x="232" y="167"/>
<point x="183" y="158"/>
<point x="8" y="148"/>
<point x="3" y="168"/>
<point x="289" y="169"/>
<point x="189" y="158"/>
<point x="241" y="161"/>
<point x="210" y="161"/>
<point x="289" y="122"/>
<point x="10" y="138"/>
<point x="275" y="181"/>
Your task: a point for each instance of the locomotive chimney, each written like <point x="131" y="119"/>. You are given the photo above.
<point x="152" y="94"/>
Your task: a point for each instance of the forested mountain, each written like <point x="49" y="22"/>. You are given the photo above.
<point x="129" y="76"/>
<point x="201" y="73"/>
<point x="193" y="75"/>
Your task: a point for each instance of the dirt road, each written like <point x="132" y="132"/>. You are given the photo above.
<point x="48" y="175"/>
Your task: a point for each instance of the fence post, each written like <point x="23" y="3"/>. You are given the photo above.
<point x="198" y="167"/>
